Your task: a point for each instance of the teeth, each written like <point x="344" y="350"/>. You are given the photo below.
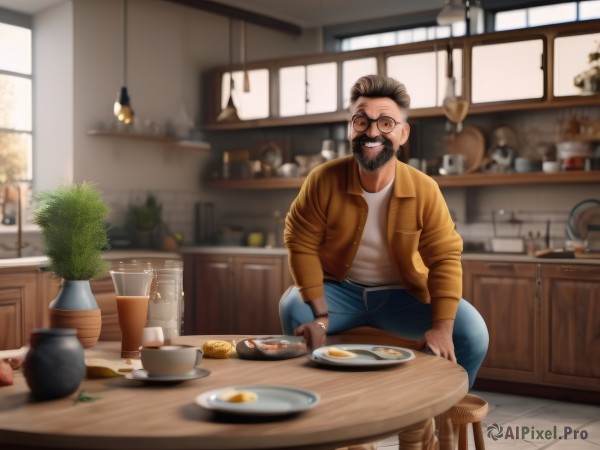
<point x="372" y="144"/>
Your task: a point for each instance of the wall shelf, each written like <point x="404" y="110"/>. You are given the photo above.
<point x="469" y="180"/>
<point x="158" y="139"/>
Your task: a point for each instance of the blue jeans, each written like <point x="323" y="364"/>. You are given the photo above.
<point x="390" y="309"/>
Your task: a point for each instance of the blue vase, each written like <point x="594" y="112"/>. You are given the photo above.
<point x="75" y="294"/>
<point x="55" y="363"/>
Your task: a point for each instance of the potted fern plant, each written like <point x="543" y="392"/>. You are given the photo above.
<point x="74" y="234"/>
<point x="144" y="220"/>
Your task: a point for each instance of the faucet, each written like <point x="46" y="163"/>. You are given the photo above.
<point x="19" y="219"/>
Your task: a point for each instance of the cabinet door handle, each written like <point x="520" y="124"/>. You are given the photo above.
<point x="579" y="269"/>
<point x="497" y="266"/>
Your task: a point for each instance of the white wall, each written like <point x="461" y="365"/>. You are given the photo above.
<point x="79" y="70"/>
<point x="53" y="94"/>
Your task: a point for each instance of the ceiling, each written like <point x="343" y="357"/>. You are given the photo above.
<point x="302" y="13"/>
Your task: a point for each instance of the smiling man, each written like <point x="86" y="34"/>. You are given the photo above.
<point x="371" y="242"/>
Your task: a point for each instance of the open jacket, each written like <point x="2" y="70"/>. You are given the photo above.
<point x="326" y="220"/>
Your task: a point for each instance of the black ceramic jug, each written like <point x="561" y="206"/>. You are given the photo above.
<point x="55" y="364"/>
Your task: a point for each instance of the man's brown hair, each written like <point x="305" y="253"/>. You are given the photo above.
<point x="380" y="86"/>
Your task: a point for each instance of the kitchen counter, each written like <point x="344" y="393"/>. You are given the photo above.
<point x="513" y="257"/>
<point x="235" y="250"/>
<point x="110" y="255"/>
<point x="279" y="251"/>
<point x="493" y="257"/>
<point x="27" y="261"/>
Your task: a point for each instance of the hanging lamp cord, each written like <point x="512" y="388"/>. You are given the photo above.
<point x="231" y="55"/>
<point x="125" y="4"/>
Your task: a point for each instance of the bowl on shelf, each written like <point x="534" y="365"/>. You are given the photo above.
<point x="287" y="170"/>
<point x="573" y="149"/>
<point x="307" y="163"/>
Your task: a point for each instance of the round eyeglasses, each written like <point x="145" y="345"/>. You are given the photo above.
<point x="385" y="124"/>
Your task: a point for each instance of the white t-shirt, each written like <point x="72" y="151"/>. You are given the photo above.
<point x="373" y="265"/>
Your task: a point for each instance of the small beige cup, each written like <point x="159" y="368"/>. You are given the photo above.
<point x="170" y="359"/>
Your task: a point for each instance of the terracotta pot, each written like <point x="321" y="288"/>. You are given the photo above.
<point x="75" y="307"/>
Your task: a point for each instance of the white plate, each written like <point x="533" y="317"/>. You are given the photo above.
<point x="470" y="143"/>
<point x="583" y="214"/>
<point x="272" y="400"/>
<point x="142" y="375"/>
<point x="321" y="356"/>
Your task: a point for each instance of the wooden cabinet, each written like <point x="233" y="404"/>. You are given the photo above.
<point x="571" y="325"/>
<point x="543" y="321"/>
<point x="233" y="294"/>
<point x="25" y="293"/>
<point x="18" y="291"/>
<point x="505" y="295"/>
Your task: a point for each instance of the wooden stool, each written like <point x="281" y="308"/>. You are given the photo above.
<point x="471" y="409"/>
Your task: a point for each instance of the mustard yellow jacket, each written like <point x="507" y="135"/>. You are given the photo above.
<point x="326" y="220"/>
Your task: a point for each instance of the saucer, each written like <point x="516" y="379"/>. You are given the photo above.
<point x="142" y="375"/>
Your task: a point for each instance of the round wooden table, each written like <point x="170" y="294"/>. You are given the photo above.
<point x="355" y="406"/>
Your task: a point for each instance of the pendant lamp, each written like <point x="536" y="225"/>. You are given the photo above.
<point x="229" y="114"/>
<point x="122" y="108"/>
<point x="452" y="12"/>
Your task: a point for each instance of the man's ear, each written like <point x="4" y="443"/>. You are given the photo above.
<point x="405" y="133"/>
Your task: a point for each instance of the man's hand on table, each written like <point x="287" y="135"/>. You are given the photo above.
<point x="315" y="332"/>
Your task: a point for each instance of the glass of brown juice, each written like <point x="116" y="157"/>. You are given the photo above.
<point x="132" y="285"/>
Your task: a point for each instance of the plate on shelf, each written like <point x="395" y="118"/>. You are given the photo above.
<point x="269" y="400"/>
<point x="470" y="143"/>
<point x="362" y="355"/>
<point x="142" y="375"/>
<point x="584" y="213"/>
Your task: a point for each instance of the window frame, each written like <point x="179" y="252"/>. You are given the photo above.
<point x="547" y="33"/>
<point x="17" y="19"/>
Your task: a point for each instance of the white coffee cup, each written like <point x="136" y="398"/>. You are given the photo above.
<point x="153" y="337"/>
<point x="170" y="359"/>
<point x="522" y="164"/>
<point x="550" y="166"/>
<point x="453" y="164"/>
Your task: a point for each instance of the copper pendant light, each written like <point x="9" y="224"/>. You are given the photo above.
<point x="122" y="107"/>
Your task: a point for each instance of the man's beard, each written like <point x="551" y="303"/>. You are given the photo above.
<point x="372" y="164"/>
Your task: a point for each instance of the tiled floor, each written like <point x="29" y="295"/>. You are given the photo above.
<point x="541" y="424"/>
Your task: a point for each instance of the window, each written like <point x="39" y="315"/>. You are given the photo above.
<point x="507" y="71"/>
<point x="352" y="70"/>
<point x="249" y="105"/>
<point x="424" y="75"/>
<point x="15" y="103"/>
<point x="571" y="57"/>
<point x="547" y="15"/>
<point x="406" y="36"/>
<point x="319" y="94"/>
